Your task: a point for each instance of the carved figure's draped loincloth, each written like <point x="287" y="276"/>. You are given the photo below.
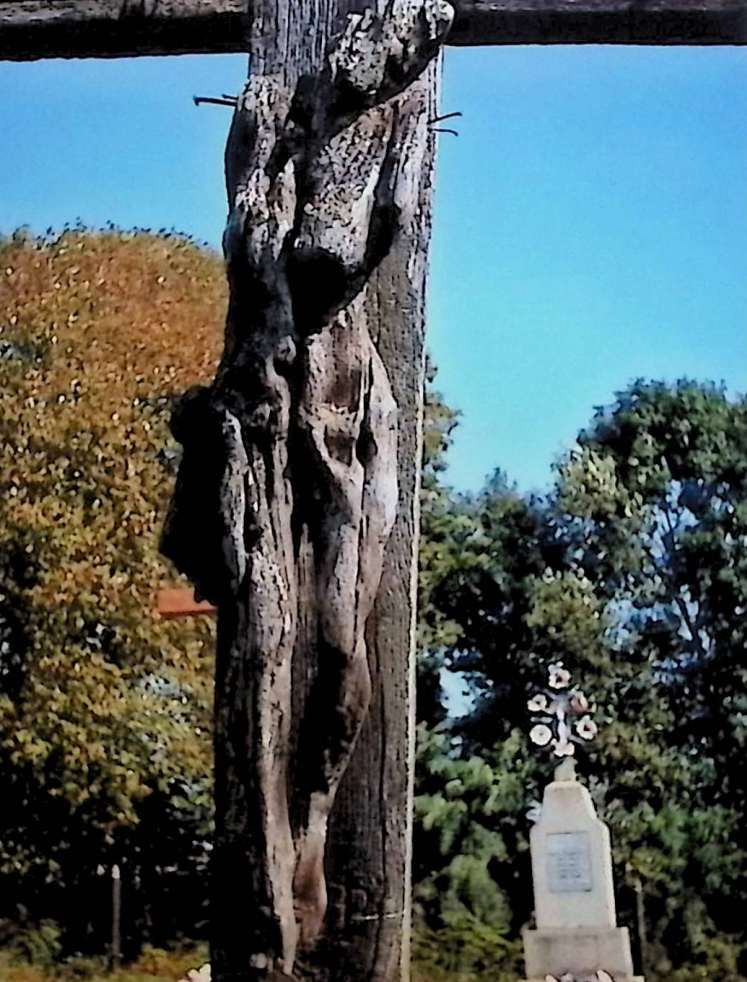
<point x="299" y="431"/>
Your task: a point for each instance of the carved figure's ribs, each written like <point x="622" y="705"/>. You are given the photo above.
<point x="340" y="192"/>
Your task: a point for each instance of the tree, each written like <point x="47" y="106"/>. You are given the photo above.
<point x="656" y="494"/>
<point x="106" y="709"/>
<point x="437" y="521"/>
<point x="632" y="573"/>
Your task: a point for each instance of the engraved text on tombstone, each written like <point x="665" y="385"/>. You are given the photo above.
<point x="569" y="862"/>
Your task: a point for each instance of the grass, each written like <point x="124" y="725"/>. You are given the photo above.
<point x="154" y="965"/>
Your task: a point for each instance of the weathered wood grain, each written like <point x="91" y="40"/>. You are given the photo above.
<point x="662" y="22"/>
<point x="296" y="502"/>
<point x="32" y="29"/>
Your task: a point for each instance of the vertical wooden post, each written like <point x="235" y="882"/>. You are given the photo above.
<point x="368" y="858"/>
<point x="370" y="838"/>
<point x="115" y="954"/>
<point x="296" y="508"/>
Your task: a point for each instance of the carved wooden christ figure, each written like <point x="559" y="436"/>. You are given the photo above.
<point x="297" y="439"/>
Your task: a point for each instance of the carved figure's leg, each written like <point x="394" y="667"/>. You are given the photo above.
<point x="253" y="708"/>
<point x="253" y="704"/>
<point x="249" y="567"/>
<point x="348" y="418"/>
<point x="230" y="529"/>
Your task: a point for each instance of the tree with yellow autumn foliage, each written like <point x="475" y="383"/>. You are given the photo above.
<point x="105" y="709"/>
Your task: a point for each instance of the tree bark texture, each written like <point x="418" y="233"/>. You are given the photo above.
<point x="32" y="29"/>
<point x="295" y="510"/>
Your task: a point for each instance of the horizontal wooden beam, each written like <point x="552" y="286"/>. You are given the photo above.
<point x="31" y="29"/>
<point x="665" y="22"/>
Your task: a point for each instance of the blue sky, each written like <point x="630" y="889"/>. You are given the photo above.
<point x="591" y="217"/>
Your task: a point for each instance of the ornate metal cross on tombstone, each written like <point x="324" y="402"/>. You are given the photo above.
<point x="576" y="937"/>
<point x="561" y="715"/>
<point x="296" y="506"/>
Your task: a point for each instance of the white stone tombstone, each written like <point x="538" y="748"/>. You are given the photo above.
<point x="574" y="897"/>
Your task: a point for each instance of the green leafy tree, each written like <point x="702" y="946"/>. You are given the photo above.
<point x="437" y="522"/>
<point x="632" y="574"/>
<point x="465" y="921"/>
<point x="653" y="504"/>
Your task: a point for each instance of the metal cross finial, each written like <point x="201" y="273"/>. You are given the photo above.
<point x="560" y="715"/>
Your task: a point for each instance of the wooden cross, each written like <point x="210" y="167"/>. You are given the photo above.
<point x="315" y="415"/>
<point x="31" y="29"/>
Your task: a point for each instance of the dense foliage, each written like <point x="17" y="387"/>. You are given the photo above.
<point x="104" y="708"/>
<point x="633" y="572"/>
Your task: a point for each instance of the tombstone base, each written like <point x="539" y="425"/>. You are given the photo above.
<point x="579" y="951"/>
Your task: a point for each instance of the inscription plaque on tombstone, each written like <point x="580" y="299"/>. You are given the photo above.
<point x="569" y="862"/>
